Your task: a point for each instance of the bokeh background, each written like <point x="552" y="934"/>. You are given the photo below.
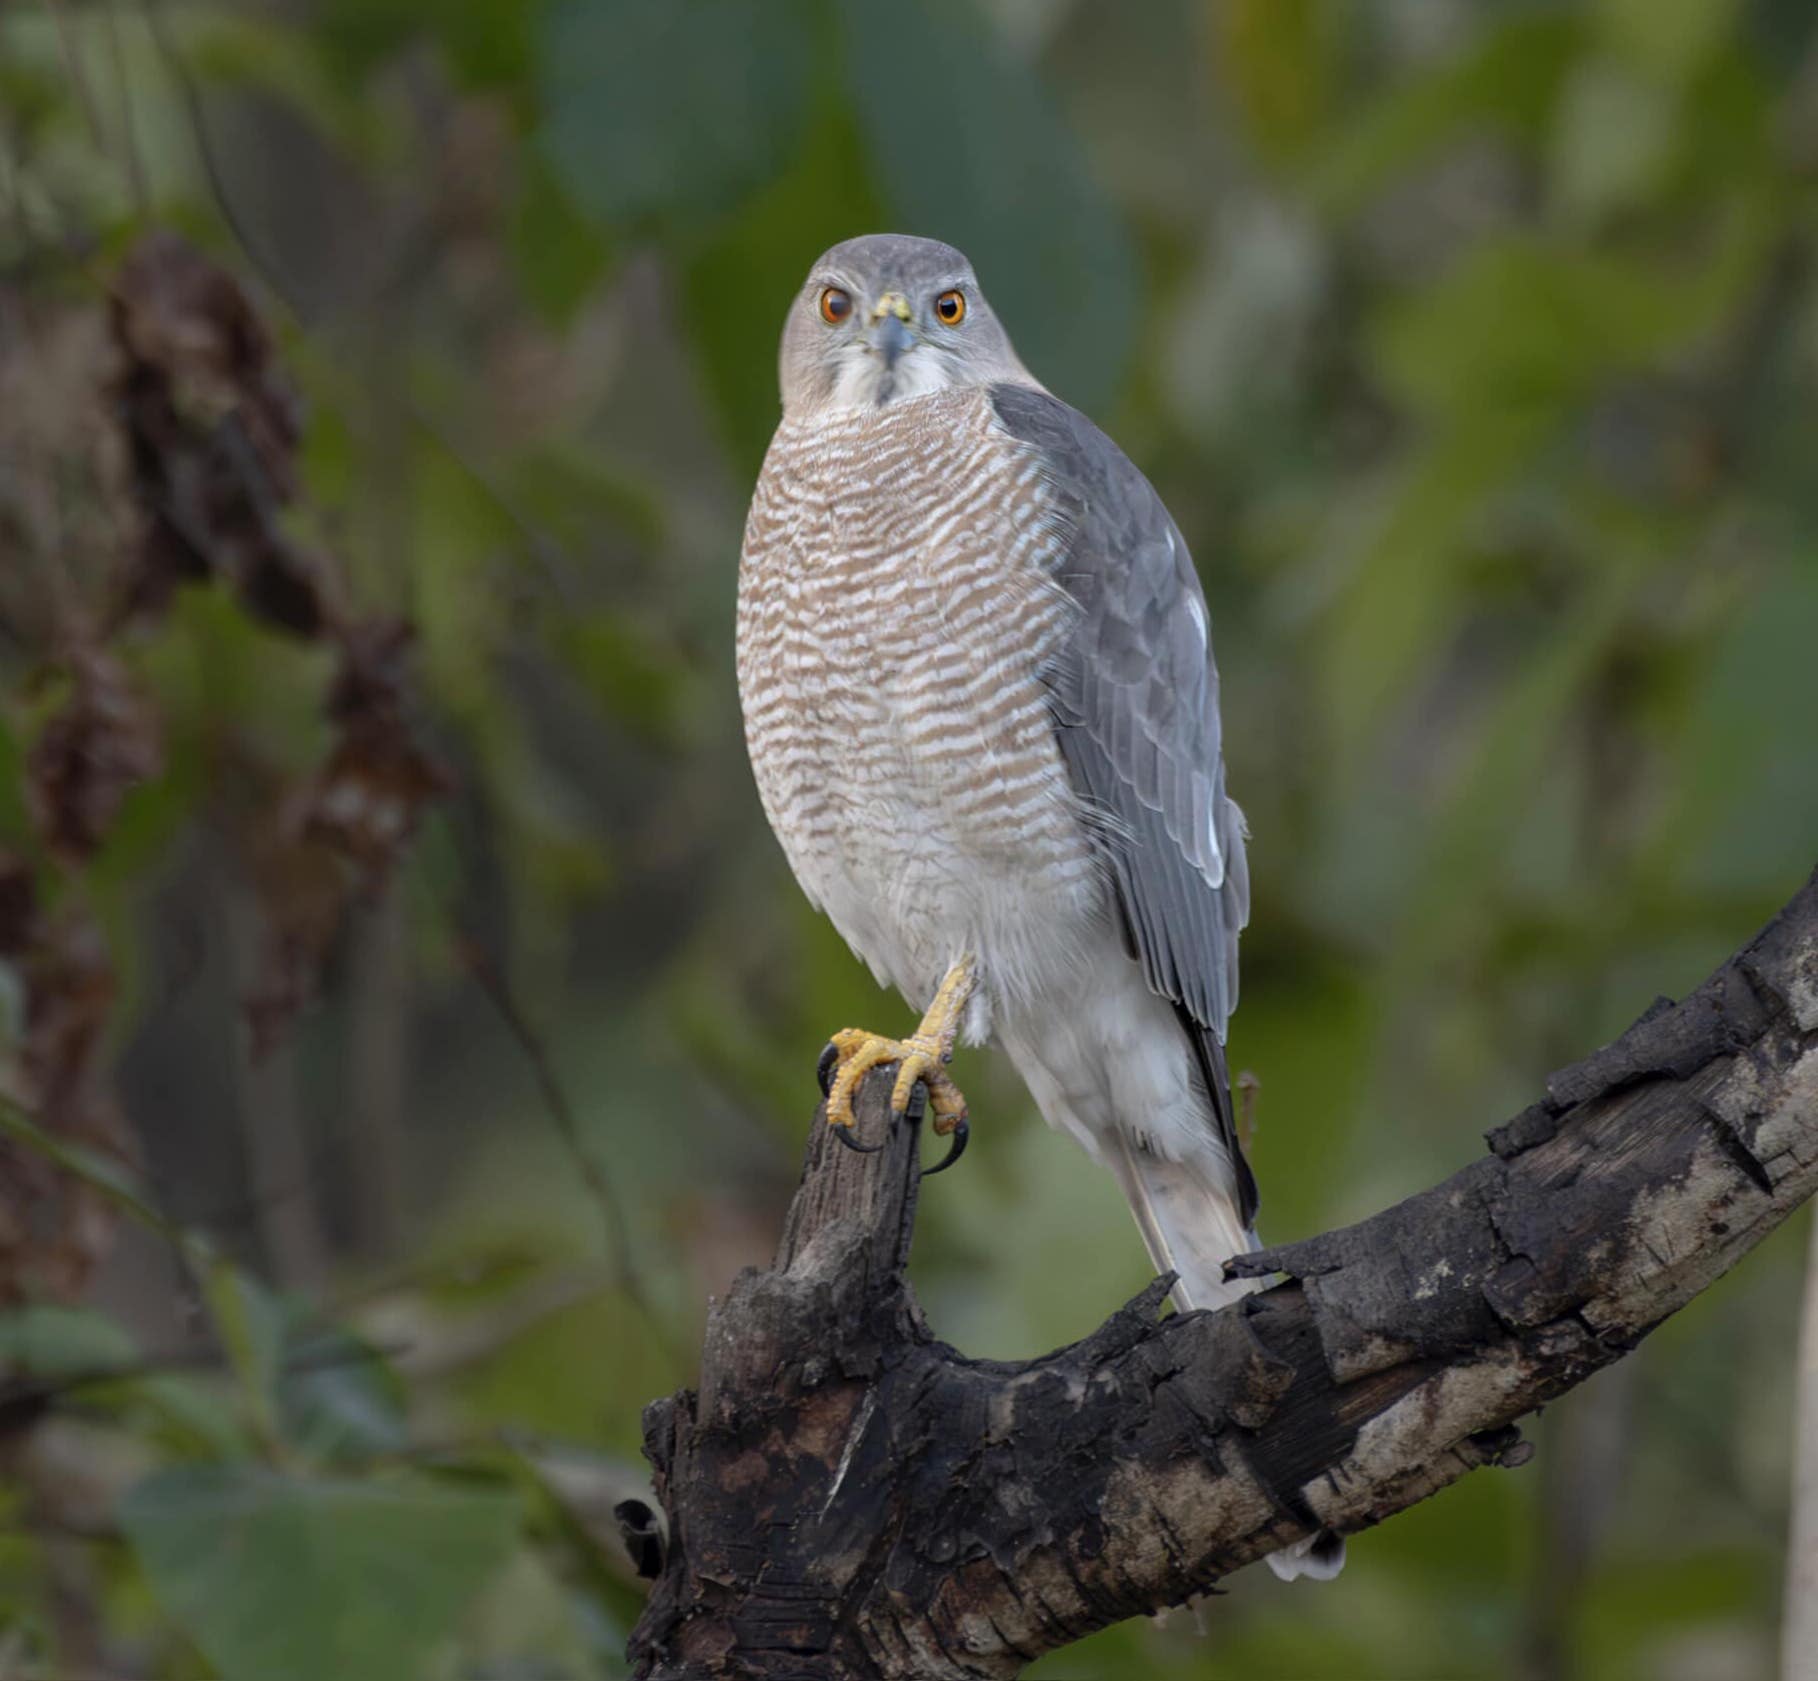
<point x="1474" y="347"/>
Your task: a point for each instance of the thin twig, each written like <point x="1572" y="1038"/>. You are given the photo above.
<point x="191" y="94"/>
<point x="78" y="75"/>
<point x="553" y="560"/>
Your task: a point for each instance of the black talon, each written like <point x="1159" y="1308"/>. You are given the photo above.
<point x="823" y="1070"/>
<point x="962" y="1132"/>
<point x="844" y="1135"/>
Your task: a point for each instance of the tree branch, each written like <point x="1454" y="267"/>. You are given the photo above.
<point x="849" y="1497"/>
<point x="1799" y="1621"/>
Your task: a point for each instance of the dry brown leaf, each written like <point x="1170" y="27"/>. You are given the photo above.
<point x="212" y="426"/>
<point x="100" y="744"/>
<point x="341" y="831"/>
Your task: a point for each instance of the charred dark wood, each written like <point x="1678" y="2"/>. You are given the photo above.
<point x="848" y="1497"/>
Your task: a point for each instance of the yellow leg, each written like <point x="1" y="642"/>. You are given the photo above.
<point x="923" y="1056"/>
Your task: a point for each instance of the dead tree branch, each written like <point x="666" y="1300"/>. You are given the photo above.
<point x="848" y="1497"/>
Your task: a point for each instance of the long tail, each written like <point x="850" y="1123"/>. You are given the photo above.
<point x="1191" y="1222"/>
<point x="1105" y="1064"/>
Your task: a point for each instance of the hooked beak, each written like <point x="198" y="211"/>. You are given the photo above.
<point x="891" y="335"/>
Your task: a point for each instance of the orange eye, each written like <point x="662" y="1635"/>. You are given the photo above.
<point x="951" y="307"/>
<point x="836" y="305"/>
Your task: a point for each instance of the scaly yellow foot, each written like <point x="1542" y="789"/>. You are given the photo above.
<point x="921" y="1056"/>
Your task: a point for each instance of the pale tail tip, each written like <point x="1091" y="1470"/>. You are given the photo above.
<point x="1320" y="1556"/>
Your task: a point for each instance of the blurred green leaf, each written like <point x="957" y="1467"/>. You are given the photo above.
<point x="1506" y="84"/>
<point x="250" y="1323"/>
<point x="636" y="679"/>
<point x="1401" y="598"/>
<point x="31" y="96"/>
<point x="1635" y="1611"/>
<point x="282" y="1579"/>
<point x="359" y="36"/>
<point x="43" y="1340"/>
<point x="1511" y="755"/>
<point x="285" y="64"/>
<point x="560" y="253"/>
<point x="580" y="1487"/>
<point x="582" y="498"/>
<point x="184" y="1417"/>
<point x="1744" y="808"/>
<point x="217" y="674"/>
<point x="970" y="149"/>
<point x="1669" y="37"/>
<point x="661" y="113"/>
<point x="531" y="1625"/>
<point x="740" y="280"/>
<point x="1614" y="136"/>
<point x="489" y="43"/>
<point x="1519" y="321"/>
<point x="338" y="1398"/>
<point x="1277" y="58"/>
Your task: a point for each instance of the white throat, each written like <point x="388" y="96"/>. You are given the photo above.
<point x="865" y="382"/>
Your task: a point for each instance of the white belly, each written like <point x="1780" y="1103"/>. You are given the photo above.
<point x="911" y="893"/>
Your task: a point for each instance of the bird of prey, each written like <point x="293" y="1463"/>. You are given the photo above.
<point x="976" y="670"/>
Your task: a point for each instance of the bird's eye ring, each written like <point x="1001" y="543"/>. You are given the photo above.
<point x="950" y="306"/>
<point x="836" y="305"/>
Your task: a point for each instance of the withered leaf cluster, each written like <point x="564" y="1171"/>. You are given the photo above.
<point x="212" y="428"/>
<point x="209" y="427"/>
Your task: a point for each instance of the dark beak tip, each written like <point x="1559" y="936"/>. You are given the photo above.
<point x="891" y="338"/>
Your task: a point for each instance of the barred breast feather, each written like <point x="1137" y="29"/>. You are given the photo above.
<point x="897" y="606"/>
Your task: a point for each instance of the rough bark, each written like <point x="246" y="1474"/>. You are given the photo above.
<point x="848" y="1497"/>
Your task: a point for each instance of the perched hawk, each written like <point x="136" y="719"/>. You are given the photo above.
<point x="980" y="701"/>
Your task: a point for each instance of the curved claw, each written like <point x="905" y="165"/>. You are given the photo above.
<point x="962" y="1133"/>
<point x="823" y="1070"/>
<point x="844" y="1135"/>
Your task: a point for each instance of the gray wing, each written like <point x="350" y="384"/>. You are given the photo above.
<point x="1135" y="704"/>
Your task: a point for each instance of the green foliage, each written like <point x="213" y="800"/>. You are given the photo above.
<point x="753" y="258"/>
<point x="43" y="1340"/>
<point x="969" y="148"/>
<point x="1475" y="350"/>
<point x="661" y="114"/>
<point x="292" y="1578"/>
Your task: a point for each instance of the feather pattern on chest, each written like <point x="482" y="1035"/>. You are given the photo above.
<point x="898" y="605"/>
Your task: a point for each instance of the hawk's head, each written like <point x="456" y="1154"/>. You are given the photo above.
<point x="886" y="318"/>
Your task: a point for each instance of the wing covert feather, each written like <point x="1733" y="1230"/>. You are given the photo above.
<point x="1134" y="695"/>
